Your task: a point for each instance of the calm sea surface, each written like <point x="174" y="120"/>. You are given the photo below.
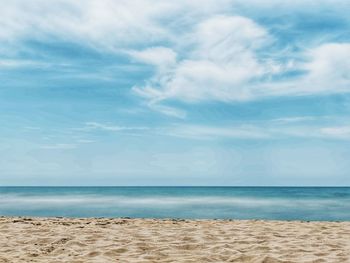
<point x="284" y="203"/>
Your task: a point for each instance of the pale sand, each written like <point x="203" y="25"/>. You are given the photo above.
<point x="146" y="240"/>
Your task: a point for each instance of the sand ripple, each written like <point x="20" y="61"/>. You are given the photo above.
<point x="146" y="240"/>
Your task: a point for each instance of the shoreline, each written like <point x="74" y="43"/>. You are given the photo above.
<point x="78" y="240"/>
<point x="170" y="219"/>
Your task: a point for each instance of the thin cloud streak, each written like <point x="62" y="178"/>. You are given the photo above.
<point x="257" y="132"/>
<point x="106" y="127"/>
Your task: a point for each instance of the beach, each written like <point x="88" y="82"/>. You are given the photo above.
<point x="80" y="240"/>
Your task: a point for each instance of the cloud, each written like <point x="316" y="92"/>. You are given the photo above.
<point x="106" y="127"/>
<point x="201" y="50"/>
<point x="170" y="111"/>
<point x="326" y="71"/>
<point x="329" y="68"/>
<point x="59" y="146"/>
<point x="259" y="131"/>
<point x="111" y="23"/>
<point x="20" y="63"/>
<point x="104" y="24"/>
<point x="221" y="60"/>
<point x="224" y="63"/>
<point x="233" y="72"/>
<point x="294" y="119"/>
<point x="98" y="23"/>
<point x="157" y="56"/>
<point x="340" y="132"/>
<point x="216" y="132"/>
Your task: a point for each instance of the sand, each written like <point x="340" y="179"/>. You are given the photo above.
<point x="147" y="240"/>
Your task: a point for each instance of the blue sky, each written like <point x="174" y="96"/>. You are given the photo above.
<point x="224" y="92"/>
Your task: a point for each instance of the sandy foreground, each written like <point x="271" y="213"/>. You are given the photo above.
<point x="147" y="240"/>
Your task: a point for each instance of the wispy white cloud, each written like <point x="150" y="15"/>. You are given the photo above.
<point x="221" y="60"/>
<point x="216" y="132"/>
<point x="294" y="119"/>
<point x="257" y="131"/>
<point x="90" y="21"/>
<point x="201" y="50"/>
<point x="329" y="68"/>
<point x="20" y="63"/>
<point x="104" y="24"/>
<point x="236" y="77"/>
<point x="85" y="141"/>
<point x="158" y="56"/>
<point x="167" y="110"/>
<point x="59" y="146"/>
<point x="341" y="132"/>
<point x="326" y="69"/>
<point x="273" y="129"/>
<point x="108" y="127"/>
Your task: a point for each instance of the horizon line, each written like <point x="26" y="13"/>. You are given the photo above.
<point x="178" y="186"/>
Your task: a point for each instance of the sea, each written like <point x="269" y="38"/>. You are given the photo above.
<point x="276" y="203"/>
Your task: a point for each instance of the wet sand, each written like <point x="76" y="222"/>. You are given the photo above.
<point x="150" y="240"/>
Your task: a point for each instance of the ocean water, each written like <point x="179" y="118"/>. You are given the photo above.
<point x="280" y="203"/>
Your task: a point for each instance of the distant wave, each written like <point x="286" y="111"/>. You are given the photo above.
<point x="11" y="199"/>
<point x="304" y="204"/>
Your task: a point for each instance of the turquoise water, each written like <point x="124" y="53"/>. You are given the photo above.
<point x="282" y="203"/>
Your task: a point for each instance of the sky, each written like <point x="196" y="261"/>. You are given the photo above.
<point x="150" y="92"/>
